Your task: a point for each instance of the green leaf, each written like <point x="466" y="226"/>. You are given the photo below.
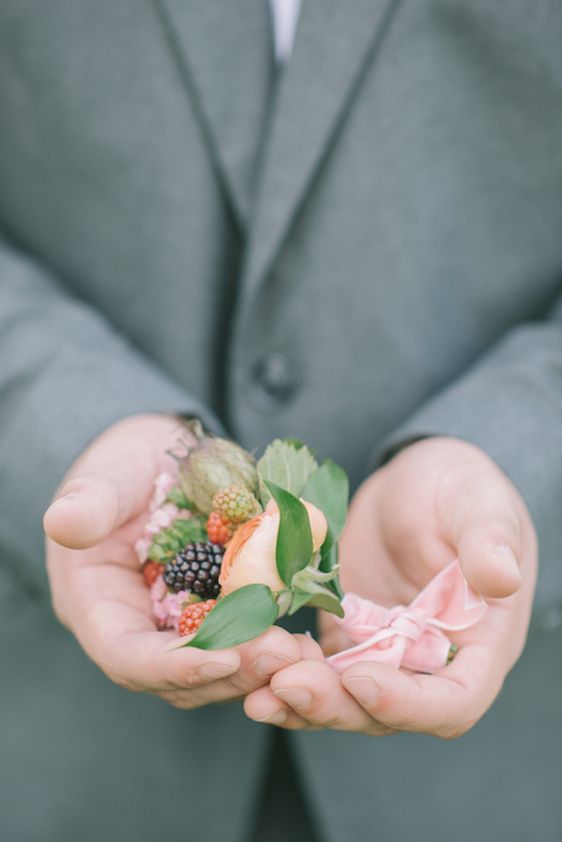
<point x="296" y="443"/>
<point x="236" y="618"/>
<point x="309" y="577"/>
<point x="293" y="549"/>
<point x="329" y="560"/>
<point x="284" y="599"/>
<point x="289" y="465"/>
<point x="177" y="496"/>
<point x="322" y="590"/>
<point x="300" y="598"/>
<point x="321" y="598"/>
<point x="167" y="543"/>
<point x="327" y="601"/>
<point x="328" y="489"/>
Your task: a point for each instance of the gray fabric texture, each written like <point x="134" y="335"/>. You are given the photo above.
<point x="360" y="251"/>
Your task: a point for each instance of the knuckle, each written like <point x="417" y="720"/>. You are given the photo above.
<point x="383" y="705"/>
<point x="319" y="718"/>
<point x="121" y="681"/>
<point x="178" y="700"/>
<point x="191" y="679"/>
<point x="381" y="731"/>
<point x="117" y="676"/>
<point x="409" y="724"/>
<point x="455" y="730"/>
<point x="331" y="722"/>
<point x="242" y="683"/>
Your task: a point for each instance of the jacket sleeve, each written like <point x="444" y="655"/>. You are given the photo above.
<point x="510" y="405"/>
<point x="65" y="376"/>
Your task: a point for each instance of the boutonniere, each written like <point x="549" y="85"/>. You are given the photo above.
<point x="231" y="543"/>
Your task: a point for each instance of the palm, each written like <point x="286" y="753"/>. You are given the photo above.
<point x="106" y="588"/>
<point x="437" y="500"/>
<point x="98" y="589"/>
<point x="398" y="537"/>
<point x="103" y="584"/>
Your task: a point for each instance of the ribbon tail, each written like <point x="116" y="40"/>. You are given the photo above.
<point x="414" y="636"/>
<point x="448" y="602"/>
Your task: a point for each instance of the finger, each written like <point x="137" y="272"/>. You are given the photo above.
<point x="314" y="691"/>
<point x="445" y="705"/>
<point x="111" y="483"/>
<point x="310" y="648"/>
<point x="262" y="657"/>
<point x="263" y="706"/>
<point x="332" y="637"/>
<point x="127" y="648"/>
<point x="481" y="519"/>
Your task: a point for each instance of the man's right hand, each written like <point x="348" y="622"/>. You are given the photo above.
<point x="98" y="590"/>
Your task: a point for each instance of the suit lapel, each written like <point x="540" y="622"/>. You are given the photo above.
<point x="334" y="43"/>
<point x="224" y="53"/>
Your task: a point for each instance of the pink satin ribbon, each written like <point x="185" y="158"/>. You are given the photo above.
<point x="413" y="636"/>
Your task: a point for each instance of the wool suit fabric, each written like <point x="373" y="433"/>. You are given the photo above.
<point x="360" y="250"/>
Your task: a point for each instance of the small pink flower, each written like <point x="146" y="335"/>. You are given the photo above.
<point x="162" y="518"/>
<point x="142" y="547"/>
<point x="161" y="515"/>
<point x="158" y="593"/>
<point x="163" y="484"/>
<point x="167" y="607"/>
<point x="175" y="603"/>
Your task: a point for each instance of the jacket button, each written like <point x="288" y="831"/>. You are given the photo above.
<point x="277" y="378"/>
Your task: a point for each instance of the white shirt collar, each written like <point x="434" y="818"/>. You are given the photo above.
<point x="285" y="16"/>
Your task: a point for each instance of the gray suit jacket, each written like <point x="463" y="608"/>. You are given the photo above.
<point x="363" y="250"/>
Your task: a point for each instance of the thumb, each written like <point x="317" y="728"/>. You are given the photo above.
<point x="491" y="568"/>
<point x="110" y="483"/>
<point x="485" y="530"/>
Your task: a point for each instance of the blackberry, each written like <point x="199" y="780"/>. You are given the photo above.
<point x="196" y="569"/>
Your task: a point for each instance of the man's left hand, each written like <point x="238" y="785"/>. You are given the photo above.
<point x="437" y="500"/>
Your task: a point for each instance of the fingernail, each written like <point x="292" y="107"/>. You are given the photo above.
<point x="363" y="688"/>
<point x="277" y="718"/>
<point x="508" y="555"/>
<point x="296" y="697"/>
<point x="213" y="670"/>
<point x="268" y="663"/>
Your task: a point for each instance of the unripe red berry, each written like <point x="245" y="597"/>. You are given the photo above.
<point x="193" y="615"/>
<point x="219" y="530"/>
<point x="151" y="571"/>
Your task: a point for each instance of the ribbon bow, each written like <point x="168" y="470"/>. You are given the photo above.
<point x="413" y="636"/>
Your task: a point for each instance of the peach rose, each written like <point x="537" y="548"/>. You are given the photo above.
<point x="250" y="555"/>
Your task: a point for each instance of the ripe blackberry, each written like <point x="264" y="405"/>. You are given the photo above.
<point x="196" y="569"/>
